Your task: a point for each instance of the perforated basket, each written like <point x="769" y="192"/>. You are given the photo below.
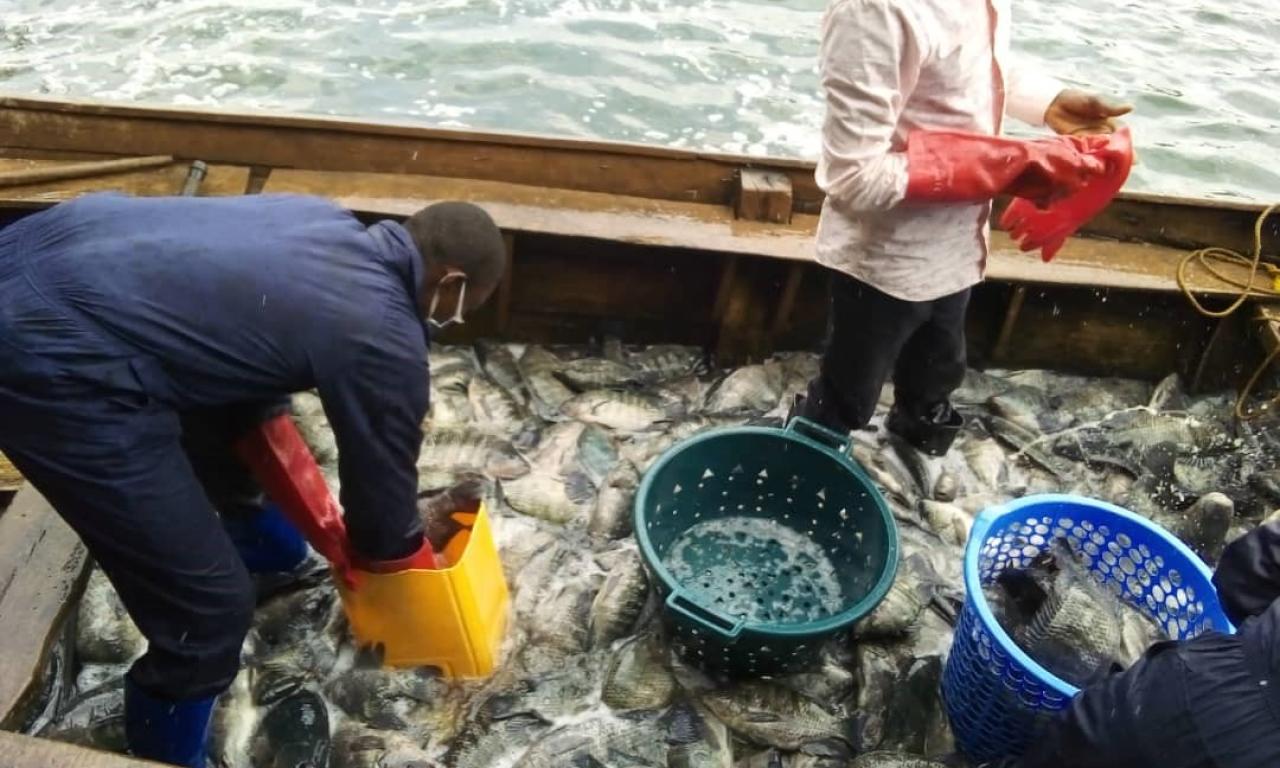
<point x="997" y="696"/>
<point x="802" y="478"/>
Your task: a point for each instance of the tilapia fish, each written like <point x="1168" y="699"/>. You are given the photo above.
<point x="774" y="715"/>
<point x="94" y="718"/>
<point x="910" y="593"/>
<point x="1203" y="526"/>
<point x="561" y="621"/>
<point x="294" y="734"/>
<point x="880" y="759"/>
<point x="1071" y="625"/>
<point x="600" y="741"/>
<point x="612" y="513"/>
<point x="308" y="416"/>
<point x="355" y="746"/>
<point x="696" y="739"/>
<point x="451" y="368"/>
<point x="104" y="632"/>
<point x="618" y="604"/>
<point x="618" y="410"/>
<point x="550" y="497"/>
<point x="666" y="361"/>
<point x="393" y="699"/>
<point x="494" y="408"/>
<point x="754" y="388"/>
<point x="499" y="364"/>
<point x="547" y="393"/>
<point x="447" y="453"/>
<point x="638" y="677"/>
<point x="596" y="373"/>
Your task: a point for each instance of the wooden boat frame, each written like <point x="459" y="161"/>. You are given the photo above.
<point x="648" y="243"/>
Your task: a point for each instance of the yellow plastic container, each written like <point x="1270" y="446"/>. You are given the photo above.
<point x="452" y="618"/>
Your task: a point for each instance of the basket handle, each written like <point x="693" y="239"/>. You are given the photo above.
<point x="709" y="620"/>
<point x="819" y="434"/>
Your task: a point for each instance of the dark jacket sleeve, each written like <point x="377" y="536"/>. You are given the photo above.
<point x="1248" y="575"/>
<point x="376" y="405"/>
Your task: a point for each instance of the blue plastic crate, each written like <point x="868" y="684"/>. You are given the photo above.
<point x="997" y="696"/>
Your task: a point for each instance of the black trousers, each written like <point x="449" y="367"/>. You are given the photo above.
<point x="871" y="334"/>
<point x="1197" y="704"/>
<point x="139" y="483"/>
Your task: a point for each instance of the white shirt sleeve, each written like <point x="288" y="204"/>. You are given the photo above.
<point x="870" y="63"/>
<point x="1028" y="92"/>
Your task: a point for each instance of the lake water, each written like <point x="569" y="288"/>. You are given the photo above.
<point x="729" y="75"/>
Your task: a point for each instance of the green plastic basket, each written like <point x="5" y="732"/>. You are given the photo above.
<point x="746" y="603"/>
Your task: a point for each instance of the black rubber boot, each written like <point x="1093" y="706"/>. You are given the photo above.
<point x="931" y="431"/>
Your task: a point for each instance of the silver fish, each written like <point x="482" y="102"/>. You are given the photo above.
<point x="1204" y="525"/>
<point x="1025" y="442"/>
<point x="561" y="622"/>
<point x="596" y="453"/>
<point x="500" y="365"/>
<point x="1169" y="395"/>
<point x="637" y="676"/>
<point x="458" y="451"/>
<point x="104" y="632"/>
<point x="547" y="393"/>
<point x="774" y="715"/>
<point x="620" y="600"/>
<point x="978" y="388"/>
<point x="666" y="361"/>
<point x="624" y="411"/>
<point x="550" y="497"/>
<point x="910" y="593"/>
<point x="754" y="388"/>
<point x="600" y="741"/>
<point x="293" y="734"/>
<point x="393" y="699"/>
<point x="1031" y="409"/>
<point x="451" y="368"/>
<point x="949" y="522"/>
<point x="493" y="407"/>
<point x="355" y="746"/>
<point x="485" y="743"/>
<point x="696" y="739"/>
<point x="987" y="461"/>
<point x="615" y="504"/>
<point x="235" y="720"/>
<point x="596" y="373"/>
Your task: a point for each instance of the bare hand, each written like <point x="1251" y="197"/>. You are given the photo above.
<point x="1077" y="113"/>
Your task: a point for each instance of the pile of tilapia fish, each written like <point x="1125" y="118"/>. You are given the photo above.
<point x="558" y="439"/>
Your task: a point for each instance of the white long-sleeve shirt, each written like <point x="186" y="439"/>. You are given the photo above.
<point x="890" y="67"/>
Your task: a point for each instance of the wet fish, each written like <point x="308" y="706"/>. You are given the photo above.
<point x="1075" y="630"/>
<point x="308" y="416"/>
<point x="547" y="393"/>
<point x="696" y="739"/>
<point x="449" y="409"/>
<point x="235" y="720"/>
<point x="288" y="668"/>
<point x="774" y="715"/>
<point x="1031" y="409"/>
<point x="92" y="676"/>
<point x="620" y="600"/>
<point x="355" y="746"/>
<point x="1203" y="526"/>
<point x="978" y="388"/>
<point x="389" y="699"/>
<point x="623" y="411"/>
<point x="306" y="613"/>
<point x="596" y="453"/>
<point x="293" y="734"/>
<point x="543" y="681"/>
<point x="484" y="743"/>
<point x="878" y="676"/>
<point x="614" y="508"/>
<point x="104" y="632"/>
<point x="910" y="593"/>
<point x="987" y="461"/>
<point x="596" y="373"/>
<point x="948" y="521"/>
<point x="598" y="742"/>
<point x="549" y="497"/>
<point x="1026" y="443"/>
<point x="882" y="759"/>
<point x="448" y="453"/>
<point x="1169" y="395"/>
<point x="493" y="407"/>
<point x="754" y="388"/>
<point x="562" y="619"/>
<point x="662" y="362"/>
<point x="451" y="367"/>
<point x="500" y="366"/>
<point x="637" y="677"/>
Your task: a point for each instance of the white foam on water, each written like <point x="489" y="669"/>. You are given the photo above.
<point x="756" y="569"/>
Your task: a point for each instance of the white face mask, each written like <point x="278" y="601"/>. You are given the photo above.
<point x="456" y="319"/>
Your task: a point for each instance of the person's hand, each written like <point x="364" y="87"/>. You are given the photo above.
<point x="1076" y="113"/>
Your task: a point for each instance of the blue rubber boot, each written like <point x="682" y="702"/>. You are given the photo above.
<point x="266" y="540"/>
<point x="167" y="731"/>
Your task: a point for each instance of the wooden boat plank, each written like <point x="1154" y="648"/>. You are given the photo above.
<point x="43" y="567"/>
<point x="21" y="751"/>
<point x="646" y="221"/>
<point x="219" y="180"/>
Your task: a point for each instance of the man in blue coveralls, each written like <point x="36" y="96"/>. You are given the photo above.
<point x="139" y="338"/>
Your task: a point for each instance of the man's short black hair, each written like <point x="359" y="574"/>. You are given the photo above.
<point x="461" y="236"/>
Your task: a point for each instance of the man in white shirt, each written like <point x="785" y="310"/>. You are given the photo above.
<point x="916" y="93"/>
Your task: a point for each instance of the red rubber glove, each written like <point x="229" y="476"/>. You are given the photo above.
<point x="283" y="465"/>
<point x="953" y="167"/>
<point x="1047" y="229"/>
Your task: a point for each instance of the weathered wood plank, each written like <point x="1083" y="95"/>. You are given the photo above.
<point x="219" y="180"/>
<point x="19" y="751"/>
<point x="43" y="567"/>
<point x="764" y="196"/>
<point x="617" y="218"/>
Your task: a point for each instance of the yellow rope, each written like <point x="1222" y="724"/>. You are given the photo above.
<point x="1205" y="258"/>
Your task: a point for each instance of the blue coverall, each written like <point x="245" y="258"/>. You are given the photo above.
<point x="132" y="328"/>
<point x="1210" y="702"/>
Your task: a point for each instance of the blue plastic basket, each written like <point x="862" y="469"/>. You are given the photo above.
<point x="997" y="696"/>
